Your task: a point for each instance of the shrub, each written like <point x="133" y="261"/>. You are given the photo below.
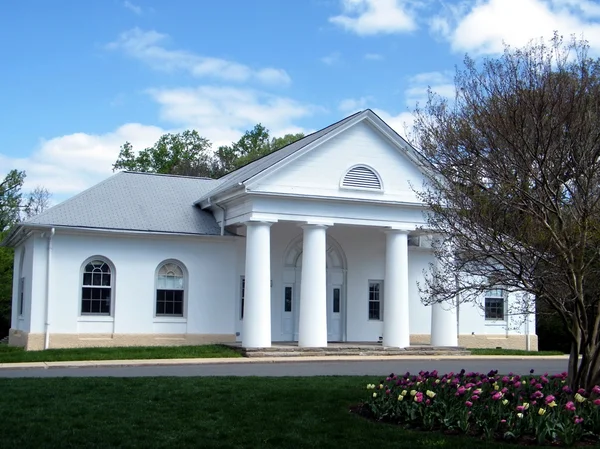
<point x="512" y="407"/>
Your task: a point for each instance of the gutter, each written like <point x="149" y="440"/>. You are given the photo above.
<point x="47" y="307"/>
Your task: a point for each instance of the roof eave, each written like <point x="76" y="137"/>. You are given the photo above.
<point x="229" y="193"/>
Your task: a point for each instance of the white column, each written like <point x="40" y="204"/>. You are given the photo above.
<point x="312" y="328"/>
<point x="444" y="325"/>
<point x="256" y="328"/>
<point x="396" y="330"/>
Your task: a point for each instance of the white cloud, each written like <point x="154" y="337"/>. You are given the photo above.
<point x="222" y="114"/>
<point x="68" y="164"/>
<point x="481" y="27"/>
<point x="352" y="105"/>
<point x="369" y="17"/>
<point x="441" y="83"/>
<point x="374" y="56"/>
<point x="133" y="8"/>
<point x="148" y="47"/>
<point x="332" y="58"/>
<point x="71" y="163"/>
<point x="402" y="123"/>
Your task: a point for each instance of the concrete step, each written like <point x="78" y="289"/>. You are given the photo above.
<point x="294" y="351"/>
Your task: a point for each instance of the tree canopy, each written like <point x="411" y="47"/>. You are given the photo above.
<point x="515" y="187"/>
<point x="188" y="153"/>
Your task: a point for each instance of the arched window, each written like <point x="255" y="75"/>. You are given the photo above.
<point x="362" y="177"/>
<point x="96" y="288"/>
<point x="170" y="289"/>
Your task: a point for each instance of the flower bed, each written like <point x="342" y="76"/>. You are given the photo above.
<point x="518" y="408"/>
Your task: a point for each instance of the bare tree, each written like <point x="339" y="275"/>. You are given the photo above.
<point x="515" y="187"/>
<point x="37" y="202"/>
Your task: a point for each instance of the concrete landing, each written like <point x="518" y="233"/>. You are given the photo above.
<point x="367" y="349"/>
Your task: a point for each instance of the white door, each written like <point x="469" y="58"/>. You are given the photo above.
<point x="334" y="313"/>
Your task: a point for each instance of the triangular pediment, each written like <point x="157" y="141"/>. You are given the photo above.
<point x="363" y="160"/>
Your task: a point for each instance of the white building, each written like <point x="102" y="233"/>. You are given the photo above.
<point x="316" y="242"/>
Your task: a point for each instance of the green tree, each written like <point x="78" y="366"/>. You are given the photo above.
<point x="189" y="154"/>
<point x="253" y="145"/>
<point x="186" y="153"/>
<point x="515" y="188"/>
<point x="10" y="199"/>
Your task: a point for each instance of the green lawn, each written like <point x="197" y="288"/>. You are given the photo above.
<point x="200" y="413"/>
<point x="475" y="351"/>
<point x="10" y="354"/>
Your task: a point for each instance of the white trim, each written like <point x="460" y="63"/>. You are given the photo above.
<point x="113" y="283"/>
<point x="380" y="300"/>
<point x="75" y="230"/>
<point x="181" y="265"/>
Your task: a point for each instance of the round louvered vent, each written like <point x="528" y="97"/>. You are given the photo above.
<point x="362" y="177"/>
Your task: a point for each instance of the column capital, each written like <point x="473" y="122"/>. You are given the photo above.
<point x="396" y="231"/>
<point x="313" y="224"/>
<point x="258" y="223"/>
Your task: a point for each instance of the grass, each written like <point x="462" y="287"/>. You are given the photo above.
<point x="490" y="351"/>
<point x="231" y="412"/>
<point x="11" y="354"/>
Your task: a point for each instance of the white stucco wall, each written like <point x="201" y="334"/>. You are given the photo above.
<point x="209" y="295"/>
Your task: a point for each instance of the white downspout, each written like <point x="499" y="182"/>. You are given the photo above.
<point x="527" y="337"/>
<point x="47" y="325"/>
<point x="222" y="218"/>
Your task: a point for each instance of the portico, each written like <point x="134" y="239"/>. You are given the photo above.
<point x="308" y="287"/>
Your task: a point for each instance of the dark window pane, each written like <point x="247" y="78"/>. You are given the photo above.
<point x="243" y="294"/>
<point x="336" y="300"/>
<point x="287" y="297"/>
<point x="169" y="302"/>
<point x="86" y="306"/>
<point x="178" y="309"/>
<point x="494" y="308"/>
<point x="96" y="278"/>
<point x="373" y="310"/>
<point x="87" y="278"/>
<point x="106" y="279"/>
<point x="105" y="268"/>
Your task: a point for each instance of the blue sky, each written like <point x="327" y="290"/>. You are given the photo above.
<point x="80" y="78"/>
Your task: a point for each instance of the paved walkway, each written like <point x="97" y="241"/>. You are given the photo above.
<point x="263" y="360"/>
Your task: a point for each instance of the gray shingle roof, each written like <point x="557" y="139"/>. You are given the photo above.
<point x="252" y="169"/>
<point x="137" y="202"/>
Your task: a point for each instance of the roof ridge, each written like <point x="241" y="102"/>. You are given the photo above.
<point x="172" y="175"/>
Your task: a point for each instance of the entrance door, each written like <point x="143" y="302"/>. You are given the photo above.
<point x="334" y="313"/>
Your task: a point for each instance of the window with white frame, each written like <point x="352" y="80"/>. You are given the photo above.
<point x="96" y="288"/>
<point x="375" y="300"/>
<point x="170" y="290"/>
<point x="495" y="300"/>
<point x="242" y="296"/>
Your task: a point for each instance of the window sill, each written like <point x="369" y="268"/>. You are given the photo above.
<point x="492" y="322"/>
<point x="170" y="319"/>
<point x="96" y="318"/>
